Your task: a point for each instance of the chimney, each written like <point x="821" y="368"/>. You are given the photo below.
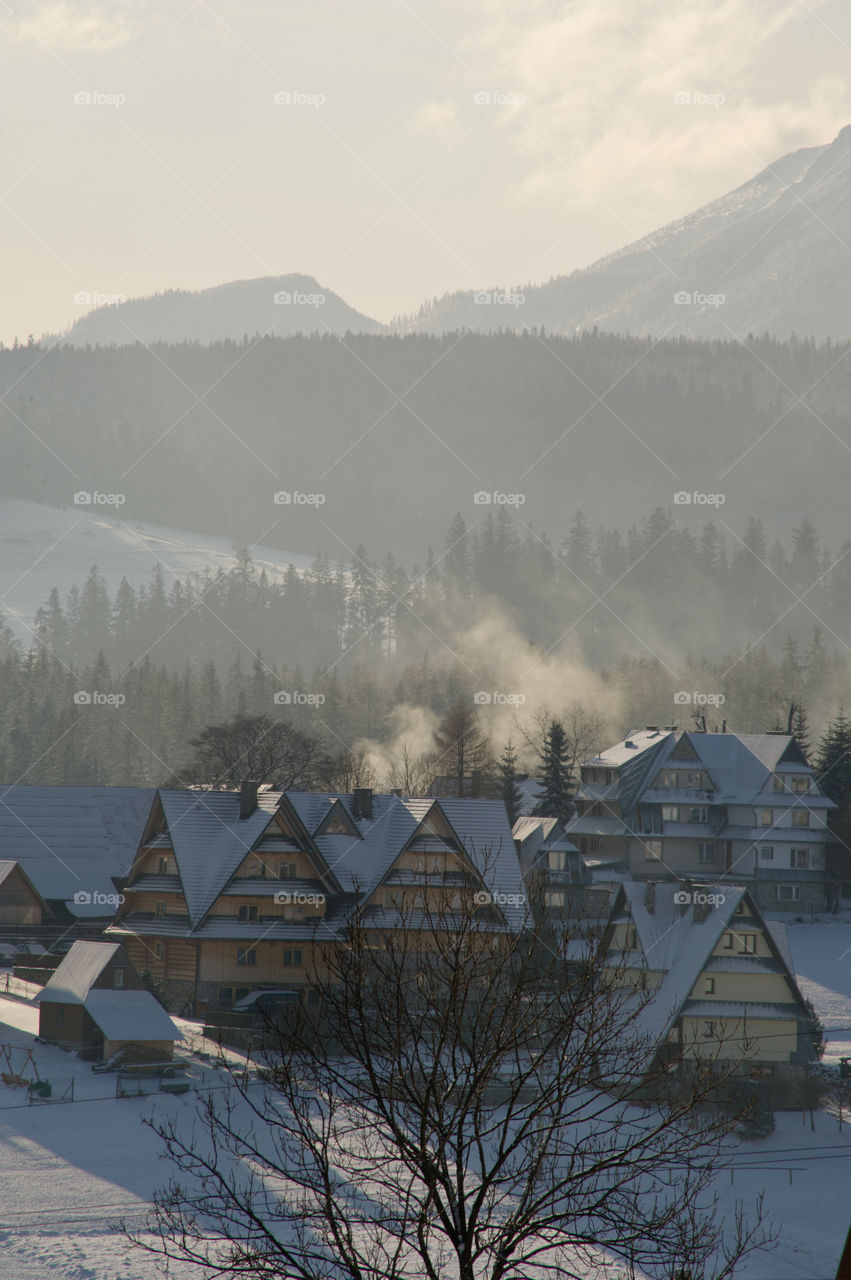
<point x="650" y="897"/>
<point x="362" y="802"/>
<point x="396" y="791"/>
<point x="248" y="798"/>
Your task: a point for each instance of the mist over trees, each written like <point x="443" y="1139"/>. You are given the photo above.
<point x="201" y="437"/>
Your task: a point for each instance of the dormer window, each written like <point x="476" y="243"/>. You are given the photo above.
<point x="118" y="977"/>
<point x="336" y="827"/>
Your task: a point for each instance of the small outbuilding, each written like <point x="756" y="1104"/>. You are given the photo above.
<point x="20" y="901"/>
<point x="95" y="1000"/>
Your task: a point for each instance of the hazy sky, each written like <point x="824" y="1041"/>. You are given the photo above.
<point x="386" y="175"/>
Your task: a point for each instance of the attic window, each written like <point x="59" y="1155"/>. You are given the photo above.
<point x="163" y="866"/>
<point x="118" y="977"/>
<point x="336" y="827"/>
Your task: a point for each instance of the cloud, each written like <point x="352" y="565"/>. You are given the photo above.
<point x="437" y="119"/>
<point x="602" y="119"/>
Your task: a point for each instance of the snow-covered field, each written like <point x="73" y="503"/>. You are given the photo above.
<point x="68" y="1171"/>
<point x="44" y="547"/>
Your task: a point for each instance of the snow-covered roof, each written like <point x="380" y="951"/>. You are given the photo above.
<point x="71" y="840"/>
<point x="72" y="980"/>
<point x="130" y="1015"/>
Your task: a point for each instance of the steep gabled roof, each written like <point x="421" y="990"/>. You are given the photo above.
<point x="72" y="980"/>
<point x="483" y="829"/>
<point x="7" y="866"/>
<point x="210" y="840"/>
<point x="69" y="839"/>
<point x="131" y="1015"/>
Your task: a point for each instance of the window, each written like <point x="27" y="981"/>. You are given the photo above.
<point x="163" y="866"/>
<point x="246" y="955"/>
<point x="257" y="870"/>
<point x="698" y="815"/>
<point x="557" y="859"/>
<point x="706" y="852"/>
<point x="394" y="899"/>
<point x="800" y="857"/>
<point x="608" y="776"/>
<point x="160" y="910"/>
<point x="670" y="813"/>
<point x="159" y="950"/>
<point x="800" y="784"/>
<point x="708" y="1030"/>
<point x="224" y="995"/>
<point x="788" y="893"/>
<point x="778" y="782"/>
<point x="554" y="899"/>
<point x="60" y="1016"/>
<point x="292" y="958"/>
<point x="801" y="818"/>
<point x="766" y="853"/>
<point x="729" y="942"/>
<point x="288" y="871"/>
<point x="709" y="986"/>
<point x="749" y="943"/>
<point x="669" y="779"/>
<point x="118" y="977"/>
<point x="653" y="849"/>
<point x="596" y="810"/>
<point x="247" y="913"/>
<point x="767" y="817"/>
<point x="597" y="843"/>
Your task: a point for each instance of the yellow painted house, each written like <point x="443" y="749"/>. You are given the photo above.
<point x="721" y="976"/>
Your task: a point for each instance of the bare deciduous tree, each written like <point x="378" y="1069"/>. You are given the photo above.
<point x="257" y="747"/>
<point x="472" y="1102"/>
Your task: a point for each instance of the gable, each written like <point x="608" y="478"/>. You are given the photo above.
<point x="683" y="750"/>
<point x="337" y="822"/>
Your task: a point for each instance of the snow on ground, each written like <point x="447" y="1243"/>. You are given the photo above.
<point x="68" y="1171"/>
<point x="43" y="547"/>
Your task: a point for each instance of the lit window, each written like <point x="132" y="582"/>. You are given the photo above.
<point x="554" y="899"/>
<point x="653" y="849"/>
<point x="778" y="782"/>
<point x="800" y="785"/>
<point x="670" y="813"/>
<point x="118" y="977"/>
<point x="557" y="859"/>
<point x="801" y="818"/>
<point x="767" y="817"/>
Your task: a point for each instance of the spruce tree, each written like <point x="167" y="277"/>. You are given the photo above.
<point x="509" y="790"/>
<point x="554" y="801"/>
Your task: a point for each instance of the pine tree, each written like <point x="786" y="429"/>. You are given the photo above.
<point x="509" y="790"/>
<point x="833" y="763"/>
<point x="554" y="801"/>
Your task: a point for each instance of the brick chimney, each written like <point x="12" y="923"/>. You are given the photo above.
<point x="650" y="898"/>
<point x="362" y="802"/>
<point x="248" y="798"/>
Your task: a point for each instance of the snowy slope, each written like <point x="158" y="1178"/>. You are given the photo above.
<point x="44" y="547"/>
